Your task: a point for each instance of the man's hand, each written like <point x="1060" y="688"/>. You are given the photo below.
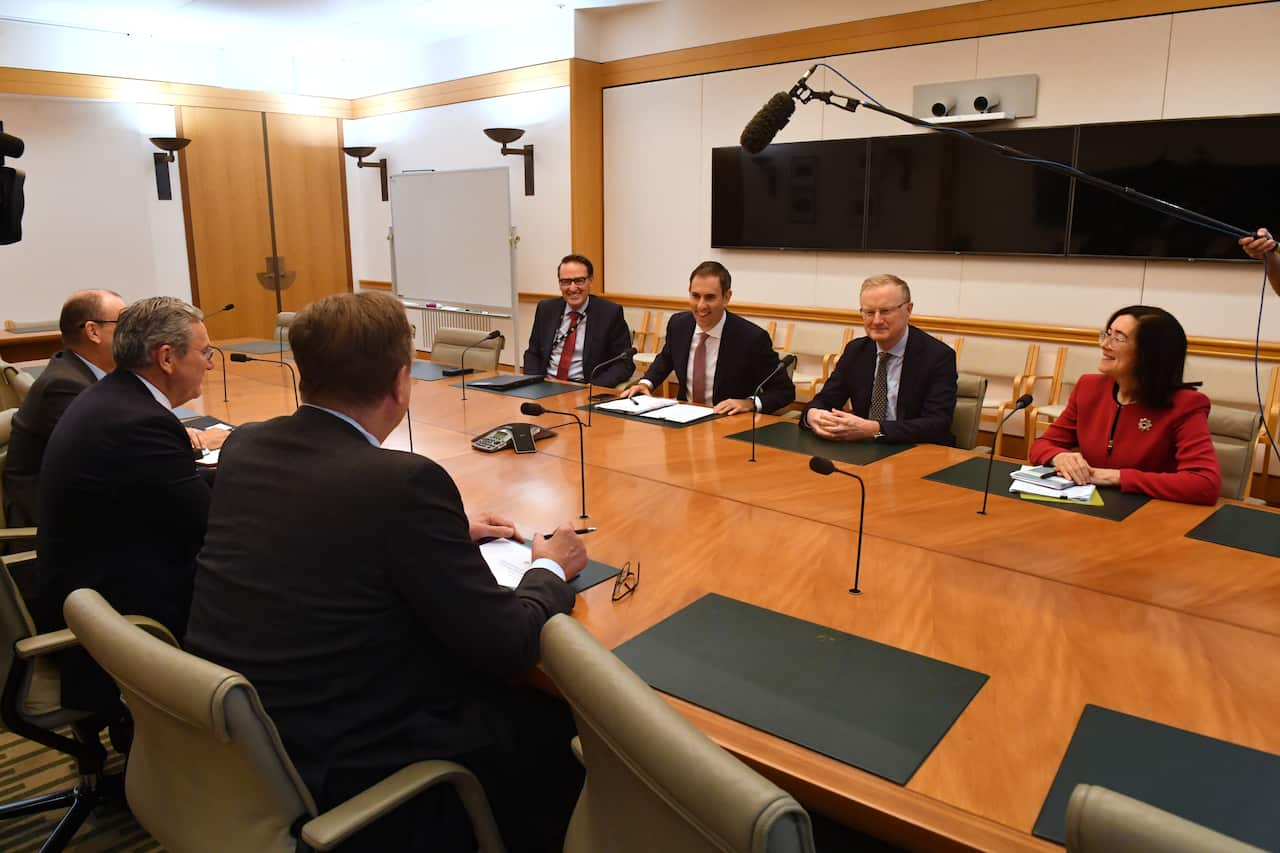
<point x="1074" y="468"/>
<point x="734" y="407"/>
<point x="207" y="439"/>
<point x="486" y="525"/>
<point x="565" y="547"/>
<point x="635" y="390"/>
<point x="841" y="426"/>
<point x="1257" y="246"/>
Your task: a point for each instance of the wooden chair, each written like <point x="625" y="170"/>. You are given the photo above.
<point x="829" y="360"/>
<point x="1070" y="363"/>
<point x="998" y="358"/>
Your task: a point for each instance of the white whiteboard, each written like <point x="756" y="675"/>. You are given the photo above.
<point x="451" y="238"/>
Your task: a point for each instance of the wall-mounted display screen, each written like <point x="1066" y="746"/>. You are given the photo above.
<point x="1226" y="168"/>
<point x="802" y="195"/>
<point x="937" y="192"/>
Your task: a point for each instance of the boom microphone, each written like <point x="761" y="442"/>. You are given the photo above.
<point x="630" y="352"/>
<point x="1023" y="401"/>
<point x="766" y="124"/>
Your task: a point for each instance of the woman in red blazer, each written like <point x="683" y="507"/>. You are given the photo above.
<point x="1137" y="425"/>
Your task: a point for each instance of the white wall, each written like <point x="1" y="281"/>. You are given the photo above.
<point x="451" y="137"/>
<point x="92" y="216"/>
<point x="657" y="184"/>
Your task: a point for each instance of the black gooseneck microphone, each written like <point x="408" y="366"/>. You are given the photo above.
<point x="240" y="358"/>
<point x="1023" y="402"/>
<point x="222" y="355"/>
<point x="786" y="362"/>
<point x="463" y="370"/>
<point x="772" y="117"/>
<point x="825" y="467"/>
<point x="630" y="352"/>
<point x="535" y="409"/>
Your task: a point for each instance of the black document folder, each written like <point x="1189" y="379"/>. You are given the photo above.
<point x="1239" y="527"/>
<point x="789" y="436"/>
<point x="869" y="705"/>
<point x="972" y="474"/>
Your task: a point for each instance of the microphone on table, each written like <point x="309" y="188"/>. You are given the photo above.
<point x="825" y="467"/>
<point x="463" y="370"/>
<point x="786" y="362"/>
<point x="535" y="409"/>
<point x="222" y="355"/>
<point x="1023" y="402"/>
<point x="628" y="353"/>
<point x="241" y="358"/>
<point x="772" y="117"/>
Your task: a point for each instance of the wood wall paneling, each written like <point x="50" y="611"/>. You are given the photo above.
<point x="308" y="190"/>
<point x="586" y="156"/>
<point x="226" y="189"/>
<point x="532" y="78"/>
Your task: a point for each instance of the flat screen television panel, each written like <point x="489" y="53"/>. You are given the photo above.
<point x="797" y="195"/>
<point x="1225" y="168"/>
<point x="938" y="192"/>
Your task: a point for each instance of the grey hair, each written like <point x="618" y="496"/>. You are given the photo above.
<point x="874" y="281"/>
<point x="149" y="324"/>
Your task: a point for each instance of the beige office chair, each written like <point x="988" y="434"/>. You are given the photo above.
<point x="1101" y="821"/>
<point x="654" y="782"/>
<point x="970" y="392"/>
<point x="1234" y="433"/>
<point x="449" y="343"/>
<point x="14" y="385"/>
<point x="207" y="771"/>
<point x="31" y="707"/>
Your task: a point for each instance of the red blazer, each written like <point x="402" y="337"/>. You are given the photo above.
<point x="1171" y="459"/>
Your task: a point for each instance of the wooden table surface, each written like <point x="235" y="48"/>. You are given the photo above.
<point x="1059" y="609"/>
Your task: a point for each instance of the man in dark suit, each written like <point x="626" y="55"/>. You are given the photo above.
<point x="87" y="323"/>
<point x="718" y="357"/>
<point x="345" y="582"/>
<point x="576" y="333"/>
<point x="901" y="381"/>
<point x="122" y="508"/>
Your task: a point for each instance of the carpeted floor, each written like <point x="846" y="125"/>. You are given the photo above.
<point x="28" y="769"/>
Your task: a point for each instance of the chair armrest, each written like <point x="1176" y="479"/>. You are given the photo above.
<point x="11" y="560"/>
<point x="330" y="829"/>
<point x="154" y="628"/>
<point x="15" y="534"/>
<point x="576" y="746"/>
<point x="45" y="644"/>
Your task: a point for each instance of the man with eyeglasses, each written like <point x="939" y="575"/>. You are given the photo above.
<point x="87" y="323"/>
<point x="122" y="508"/>
<point x="900" y="380"/>
<point x="576" y="332"/>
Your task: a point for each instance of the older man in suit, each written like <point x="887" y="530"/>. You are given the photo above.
<point x="122" y="507"/>
<point x="901" y="381"/>
<point x="719" y="358"/>
<point x="345" y="582"/>
<point x="578" y="332"/>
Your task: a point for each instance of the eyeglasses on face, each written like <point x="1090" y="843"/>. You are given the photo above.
<point x="569" y="282"/>
<point x="99" y="322"/>
<point x="626" y="581"/>
<point x="1116" y="338"/>
<point x="872" y="313"/>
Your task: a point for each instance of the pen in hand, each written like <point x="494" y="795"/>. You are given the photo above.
<point x="581" y="531"/>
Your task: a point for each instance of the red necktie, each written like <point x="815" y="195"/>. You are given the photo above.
<point x="570" y="341"/>
<point x="700" y="369"/>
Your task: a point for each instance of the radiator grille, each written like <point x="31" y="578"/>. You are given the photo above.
<point x="434" y="320"/>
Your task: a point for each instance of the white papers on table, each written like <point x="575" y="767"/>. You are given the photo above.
<point x="220" y="425"/>
<point x="681" y="413"/>
<point x="210" y="457"/>
<point x="1074" y="493"/>
<point x="508" y="560"/>
<point x="638" y="405"/>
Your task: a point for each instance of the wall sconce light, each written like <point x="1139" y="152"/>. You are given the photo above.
<point x="362" y="151"/>
<point x="505" y="135"/>
<point x="168" y="145"/>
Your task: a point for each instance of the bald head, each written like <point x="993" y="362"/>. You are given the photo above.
<point x="88" y="323"/>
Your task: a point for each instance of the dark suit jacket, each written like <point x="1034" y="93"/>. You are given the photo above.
<point x="123" y="511"/>
<point x="926" y="388"/>
<point x="746" y="358"/>
<point x="341" y="579"/>
<point x="607" y="336"/>
<point x="50" y="395"/>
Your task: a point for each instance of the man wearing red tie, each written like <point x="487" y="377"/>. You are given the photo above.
<point x="575" y="333"/>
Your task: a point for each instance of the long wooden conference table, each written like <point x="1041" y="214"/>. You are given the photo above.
<point x="1060" y="609"/>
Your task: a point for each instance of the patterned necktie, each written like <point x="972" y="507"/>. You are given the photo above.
<point x="880" y="389"/>
<point x="570" y="341"/>
<point x="699" y="378"/>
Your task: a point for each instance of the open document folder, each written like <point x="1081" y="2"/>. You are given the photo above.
<point x="1081" y="494"/>
<point x="658" y="408"/>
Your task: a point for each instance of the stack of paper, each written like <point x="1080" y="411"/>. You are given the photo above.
<point x="1083" y="494"/>
<point x="636" y="405"/>
<point x="658" y="408"/>
<point x="508" y="560"/>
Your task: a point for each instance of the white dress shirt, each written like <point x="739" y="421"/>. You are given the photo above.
<point x="557" y="346"/>
<point x="157" y="393"/>
<point x="97" y="372"/>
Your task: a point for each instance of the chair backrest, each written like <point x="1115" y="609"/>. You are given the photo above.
<point x="997" y="358"/>
<point x="1234" y="433"/>
<point x="283" y="320"/>
<point x="449" y="344"/>
<point x="207" y="771"/>
<point x="1071" y="363"/>
<point x="971" y="390"/>
<point x="1102" y="821"/>
<point x="13" y="388"/>
<point x="1229" y="381"/>
<point x="654" y="782"/>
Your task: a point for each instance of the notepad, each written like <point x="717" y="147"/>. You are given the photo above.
<point x="508" y="560"/>
<point x="638" y="405"/>
<point x="658" y="408"/>
<point x="681" y="413"/>
<point x="1082" y="494"/>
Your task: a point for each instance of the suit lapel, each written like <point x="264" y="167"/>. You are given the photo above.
<point x="549" y="333"/>
<point x="910" y="380"/>
<point x="680" y="351"/>
<point x="724" y="360"/>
